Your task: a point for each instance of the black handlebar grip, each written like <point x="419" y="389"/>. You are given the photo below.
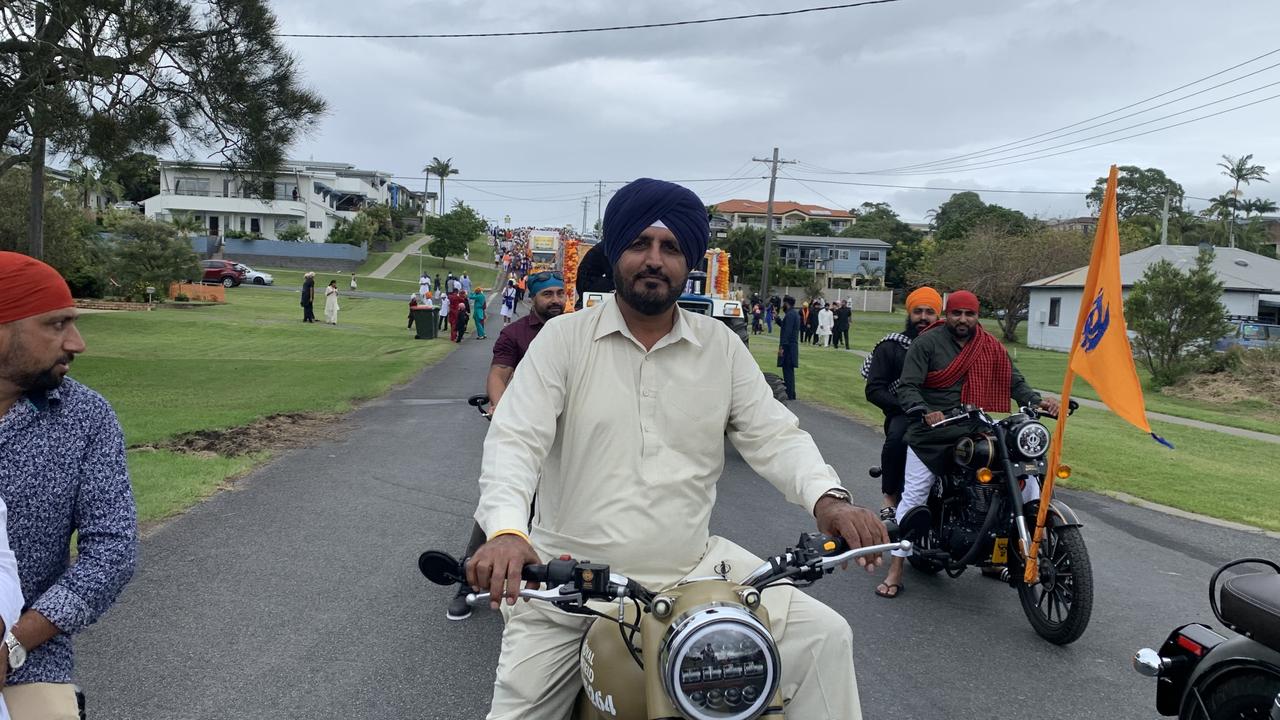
<point x="534" y="573"/>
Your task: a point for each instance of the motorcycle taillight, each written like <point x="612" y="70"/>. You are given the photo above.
<point x="1191" y="646"/>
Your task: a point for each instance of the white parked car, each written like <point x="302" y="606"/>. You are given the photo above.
<point x="255" y="277"/>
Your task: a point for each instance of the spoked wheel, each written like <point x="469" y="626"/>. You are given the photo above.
<point x="1060" y="604"/>
<point x="1250" y="695"/>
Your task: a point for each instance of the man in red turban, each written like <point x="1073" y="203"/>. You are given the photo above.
<point x="951" y="363"/>
<point x="62" y="472"/>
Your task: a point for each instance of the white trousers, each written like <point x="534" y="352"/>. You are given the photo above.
<point x="538" y="676"/>
<point x="919" y="482"/>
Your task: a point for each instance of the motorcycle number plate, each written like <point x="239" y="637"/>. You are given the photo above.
<point x="1000" y="553"/>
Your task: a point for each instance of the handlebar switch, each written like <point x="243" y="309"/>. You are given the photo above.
<point x="591" y="579"/>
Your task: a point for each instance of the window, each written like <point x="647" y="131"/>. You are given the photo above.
<point x="241" y="222"/>
<point x="282" y="223"/>
<point x="842" y="254"/>
<point x="191" y="186"/>
<point x="316" y="224"/>
<point x="255" y="226"/>
<point x="1055" y="311"/>
<point x="869" y="255"/>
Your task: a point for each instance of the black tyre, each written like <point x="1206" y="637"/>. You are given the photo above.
<point x="228" y="282"/>
<point x="259" y="281"/>
<point x="778" y="385"/>
<point x="1247" y="695"/>
<point x="739" y="328"/>
<point x="1059" y="606"/>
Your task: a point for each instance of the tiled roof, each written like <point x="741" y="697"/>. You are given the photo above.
<point x="780" y="208"/>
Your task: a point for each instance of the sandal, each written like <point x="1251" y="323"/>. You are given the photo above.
<point x="896" y="589"/>
<point x="888" y="512"/>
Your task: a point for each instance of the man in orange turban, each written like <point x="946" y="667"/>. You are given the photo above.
<point x="881" y="369"/>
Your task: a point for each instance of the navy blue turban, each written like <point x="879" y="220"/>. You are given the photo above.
<point x="643" y="202"/>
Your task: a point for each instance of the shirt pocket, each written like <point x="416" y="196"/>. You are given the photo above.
<point x="694" y="417"/>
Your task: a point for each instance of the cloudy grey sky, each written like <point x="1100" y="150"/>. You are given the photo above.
<point x="857" y="90"/>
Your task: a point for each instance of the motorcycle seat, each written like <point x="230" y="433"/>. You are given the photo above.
<point x="1251" y="605"/>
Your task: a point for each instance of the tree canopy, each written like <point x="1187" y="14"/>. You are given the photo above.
<point x="454" y="230"/>
<point x="1176" y="317"/>
<point x="1139" y="191"/>
<point x="964" y="211"/>
<point x="995" y="264"/>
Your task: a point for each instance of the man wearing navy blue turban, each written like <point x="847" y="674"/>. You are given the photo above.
<point x="643" y="211"/>
<point x="617" y="418"/>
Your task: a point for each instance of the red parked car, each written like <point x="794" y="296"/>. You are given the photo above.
<point x="221" y="272"/>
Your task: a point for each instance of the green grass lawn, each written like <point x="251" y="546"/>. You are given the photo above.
<point x="293" y="278"/>
<point x="174" y="371"/>
<point x="408" y="270"/>
<point x="1211" y="473"/>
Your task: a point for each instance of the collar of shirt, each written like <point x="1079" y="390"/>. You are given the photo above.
<point x="612" y="321"/>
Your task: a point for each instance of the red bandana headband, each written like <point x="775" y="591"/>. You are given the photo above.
<point x="29" y="287"/>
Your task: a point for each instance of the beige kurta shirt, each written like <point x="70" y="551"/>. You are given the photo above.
<point x="629" y="443"/>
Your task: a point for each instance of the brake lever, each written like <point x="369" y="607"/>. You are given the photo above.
<point x="827" y="563"/>
<point x="555" y="596"/>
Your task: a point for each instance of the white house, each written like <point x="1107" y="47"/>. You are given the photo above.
<point x="316" y="195"/>
<point x="1251" y="289"/>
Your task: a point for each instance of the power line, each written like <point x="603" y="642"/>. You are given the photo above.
<point x="943" y="189"/>
<point x="612" y="28"/>
<point x="1090" y="119"/>
<point x="978" y="156"/>
<point x="1104" y="142"/>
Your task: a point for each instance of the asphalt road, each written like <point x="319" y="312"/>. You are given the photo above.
<point x="296" y="595"/>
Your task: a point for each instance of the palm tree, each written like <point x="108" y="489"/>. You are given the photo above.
<point x="1262" y="206"/>
<point x="1239" y="170"/>
<point x="441" y="169"/>
<point x="186" y="224"/>
<point x="88" y="183"/>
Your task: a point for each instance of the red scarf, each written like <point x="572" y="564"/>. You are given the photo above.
<point x="983" y="365"/>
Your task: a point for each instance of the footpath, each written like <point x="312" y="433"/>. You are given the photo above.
<point x="394" y="261"/>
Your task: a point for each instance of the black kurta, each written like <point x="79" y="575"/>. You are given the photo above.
<point x="931" y="351"/>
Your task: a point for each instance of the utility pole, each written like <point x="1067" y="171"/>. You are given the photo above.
<point x="586" y="201"/>
<point x="599" y="208"/>
<point x="768" y="222"/>
<point x="1164" y="221"/>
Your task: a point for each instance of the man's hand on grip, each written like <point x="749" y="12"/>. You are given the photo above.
<point x="496" y="568"/>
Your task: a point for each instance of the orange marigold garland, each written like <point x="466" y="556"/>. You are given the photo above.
<point x="722" y="274"/>
<point x="570" y="273"/>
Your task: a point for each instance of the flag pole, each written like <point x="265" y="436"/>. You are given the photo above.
<point x="1032" y="554"/>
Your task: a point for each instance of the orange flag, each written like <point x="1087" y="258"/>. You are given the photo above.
<point x="1100" y="353"/>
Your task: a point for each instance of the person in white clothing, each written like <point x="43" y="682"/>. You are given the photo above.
<point x="10" y="588"/>
<point x="331" y="303"/>
<point x="826" y="320"/>
<point x="659" y="387"/>
<point x="424" y="285"/>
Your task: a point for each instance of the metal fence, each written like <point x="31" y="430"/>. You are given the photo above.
<point x="862" y="299"/>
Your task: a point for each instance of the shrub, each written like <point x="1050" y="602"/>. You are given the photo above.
<point x="150" y="253"/>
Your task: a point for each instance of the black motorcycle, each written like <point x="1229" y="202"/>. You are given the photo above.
<point x="975" y="516"/>
<point x="1202" y="675"/>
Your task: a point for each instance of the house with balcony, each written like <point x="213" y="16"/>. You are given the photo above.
<point x="836" y="262"/>
<point x="754" y="213"/>
<point x="315" y="195"/>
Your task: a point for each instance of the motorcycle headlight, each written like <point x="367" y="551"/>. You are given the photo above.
<point x="719" y="662"/>
<point x="1032" y="440"/>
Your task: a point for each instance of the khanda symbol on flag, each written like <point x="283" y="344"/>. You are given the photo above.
<point x="1100" y="353"/>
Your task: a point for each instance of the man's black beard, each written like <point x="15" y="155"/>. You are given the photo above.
<point x="39" y="382"/>
<point x="546" y="314"/>
<point x="912" y="331"/>
<point x="646" y="304"/>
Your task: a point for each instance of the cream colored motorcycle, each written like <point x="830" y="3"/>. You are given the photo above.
<point x="701" y="650"/>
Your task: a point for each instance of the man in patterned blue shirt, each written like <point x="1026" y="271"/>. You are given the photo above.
<point x="62" y="470"/>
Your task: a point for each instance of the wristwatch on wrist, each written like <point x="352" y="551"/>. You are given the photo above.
<point x="17" y="653"/>
<point x="838" y="493"/>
